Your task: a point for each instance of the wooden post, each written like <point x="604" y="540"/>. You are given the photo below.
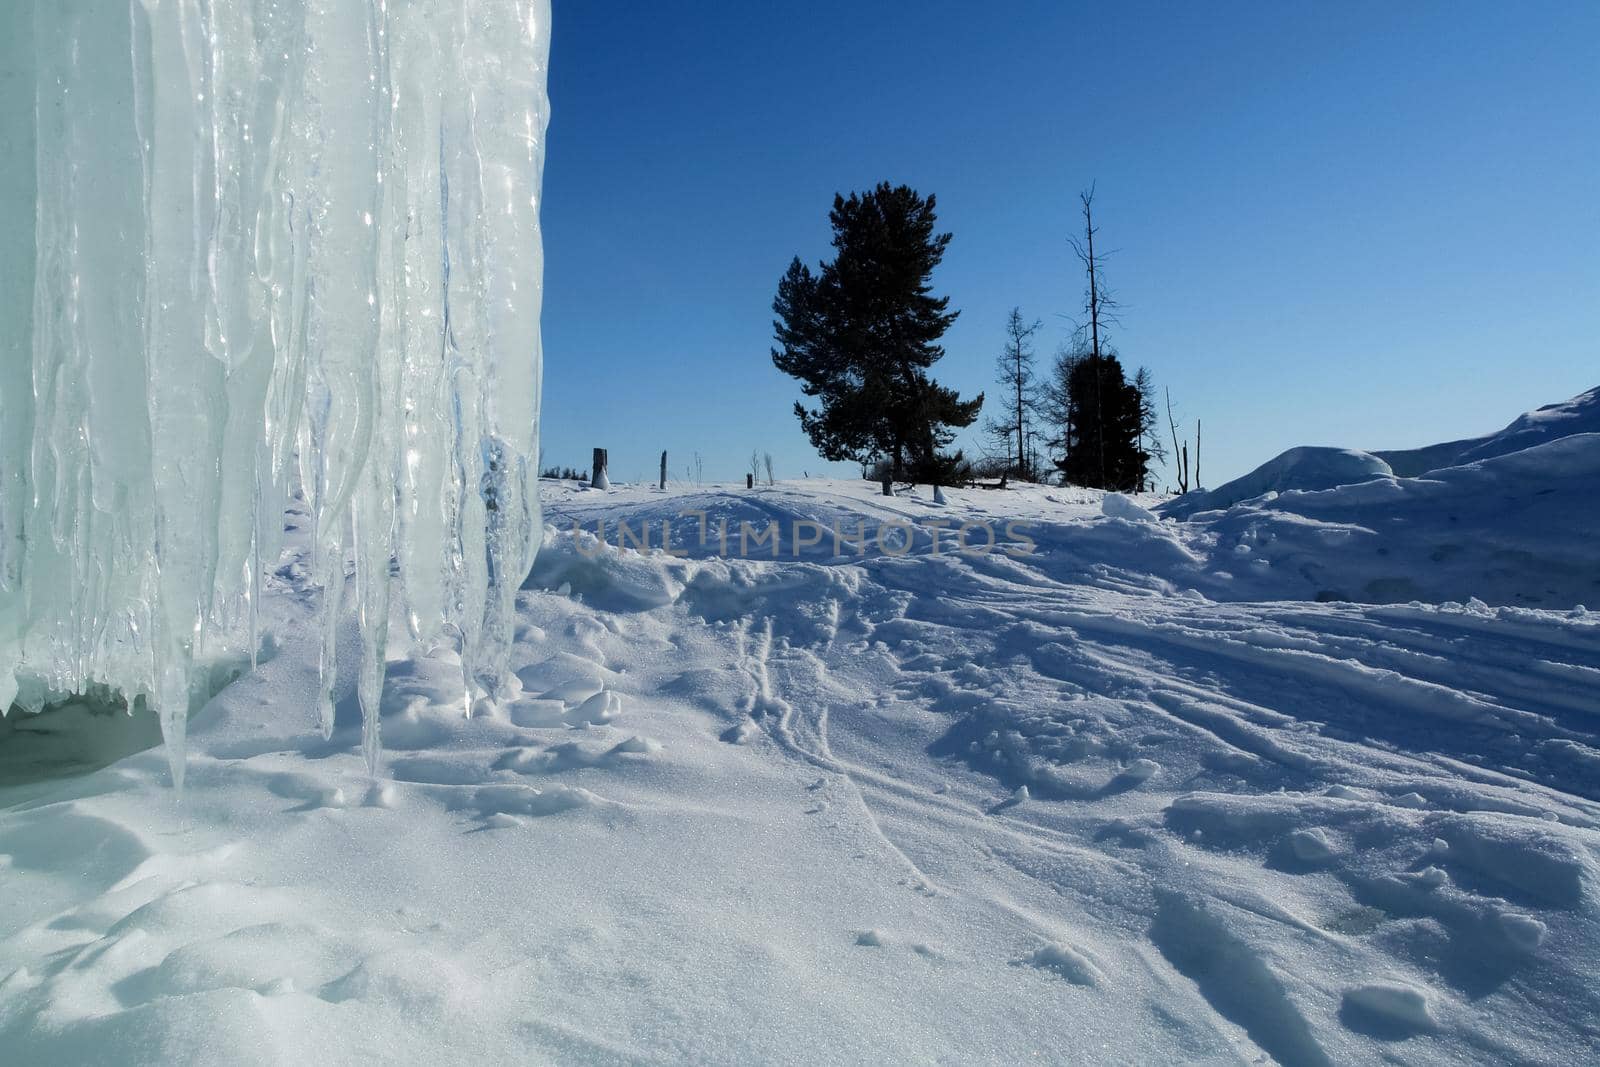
<point x="749" y="481"/>
<point x="597" y="472"/>
<point x="888" y="485"/>
<point x="1198" y="484"/>
<point x="663" y="469"/>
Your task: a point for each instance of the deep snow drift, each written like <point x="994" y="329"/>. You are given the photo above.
<point x="258" y="246"/>
<point x="1308" y="469"/>
<point x="1508" y="519"/>
<point x="1110" y="791"/>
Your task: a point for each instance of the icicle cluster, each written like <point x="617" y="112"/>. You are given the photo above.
<point x="257" y="246"/>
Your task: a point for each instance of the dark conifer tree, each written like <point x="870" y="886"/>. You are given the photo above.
<point x="862" y="332"/>
<point x="1101" y="423"/>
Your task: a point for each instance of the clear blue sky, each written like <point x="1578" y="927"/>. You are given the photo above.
<point x="1374" y="225"/>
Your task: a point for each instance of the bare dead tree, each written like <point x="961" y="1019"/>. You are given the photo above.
<point x="1014" y="372"/>
<point x="1149" y="426"/>
<point x="1180" y="453"/>
<point x="1198" y="484"/>
<point x="766" y="461"/>
<point x="1100" y="307"/>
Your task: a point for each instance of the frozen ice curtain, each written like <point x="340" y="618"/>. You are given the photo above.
<point x="260" y="247"/>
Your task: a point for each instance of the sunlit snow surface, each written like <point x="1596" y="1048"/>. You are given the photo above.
<point x="256" y="245"/>
<point x="1131" y="798"/>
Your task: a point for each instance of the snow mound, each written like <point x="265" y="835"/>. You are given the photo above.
<point x="1514" y="529"/>
<point x="1299" y="469"/>
<point x="1117" y="506"/>
<point x="1506" y="519"/>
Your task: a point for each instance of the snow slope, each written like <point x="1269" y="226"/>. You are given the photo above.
<point x="1507" y="519"/>
<point x="1581" y="414"/>
<point x="1309" y="469"/>
<point x="1299" y="469"/>
<point x="1129" y="796"/>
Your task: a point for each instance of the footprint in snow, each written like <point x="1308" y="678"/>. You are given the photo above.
<point x="1310" y="846"/>
<point x="1020" y="796"/>
<point x="1064" y="961"/>
<point x="494" y="801"/>
<point x="1133" y="776"/>
<point x="1391" y="1011"/>
<point x="1523" y="931"/>
<point x="310" y="791"/>
<point x="382" y="795"/>
<point x="741" y="734"/>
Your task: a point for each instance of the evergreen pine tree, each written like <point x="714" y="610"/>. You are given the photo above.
<point x="861" y="333"/>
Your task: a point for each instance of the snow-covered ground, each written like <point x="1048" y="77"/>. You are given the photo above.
<point x="1314" y="778"/>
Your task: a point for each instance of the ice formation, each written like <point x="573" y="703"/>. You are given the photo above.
<point x="260" y="247"/>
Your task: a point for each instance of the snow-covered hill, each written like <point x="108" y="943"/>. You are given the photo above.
<point x="1116" y="790"/>
<point x="1310" y="469"/>
<point x="1507" y="519"/>
<point x="1579" y="415"/>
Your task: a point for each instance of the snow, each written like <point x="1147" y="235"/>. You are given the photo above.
<point x="1118" y="506"/>
<point x="1308" y="469"/>
<point x="1506" y="526"/>
<point x="265" y="247"/>
<point x="1073" y="796"/>
<point x="1580" y="415"/>
<point x="1389" y="1005"/>
<point x="1301" y="469"/>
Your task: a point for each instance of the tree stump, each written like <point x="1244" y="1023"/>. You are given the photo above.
<point x="597" y="473"/>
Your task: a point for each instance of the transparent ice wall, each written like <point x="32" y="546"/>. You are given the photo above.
<point x="254" y="246"/>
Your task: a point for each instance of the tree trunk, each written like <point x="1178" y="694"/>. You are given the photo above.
<point x="1180" y="459"/>
<point x="597" y="472"/>
<point x="749" y="481"/>
<point x="1094" y="327"/>
<point x="1198" y="484"/>
<point x="1022" y="443"/>
<point x="663" y="469"/>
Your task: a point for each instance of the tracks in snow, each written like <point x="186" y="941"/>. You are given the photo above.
<point x="1338" y="740"/>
